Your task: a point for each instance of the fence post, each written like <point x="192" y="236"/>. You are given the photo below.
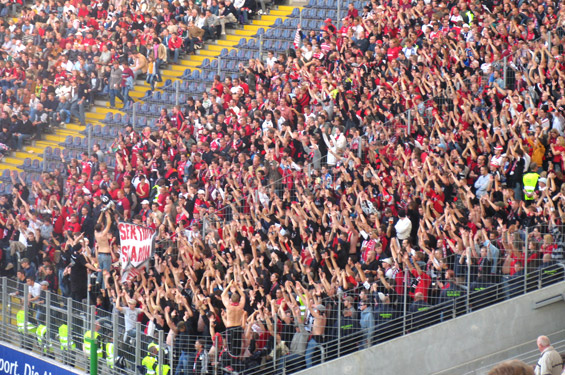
<point x="404" y="304"/>
<point x="300" y="17"/>
<point x="137" y="344"/>
<point x="409" y="122"/>
<point x="338" y="21"/>
<point x="47" y="340"/>
<point x="339" y="325"/>
<point x="177" y="92"/>
<point x="526" y="262"/>
<point x="261" y="47"/>
<point x="68" y="355"/>
<point x="219" y="65"/>
<point x="468" y="296"/>
<point x="216" y="356"/>
<point x="134" y="115"/>
<point x="160" y="363"/>
<point x="93" y="344"/>
<point x="549" y="41"/>
<point x="204" y="225"/>
<point x="115" y="338"/>
<point x="89" y="144"/>
<point x="45" y="162"/>
<point x="505" y="69"/>
<point x="5" y="304"/>
<point x="275" y="338"/>
<point x="26" y="312"/>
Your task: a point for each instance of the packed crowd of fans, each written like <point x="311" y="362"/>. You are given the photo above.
<point x="301" y="182"/>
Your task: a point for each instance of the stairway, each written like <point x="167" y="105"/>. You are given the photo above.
<point x="98" y="111"/>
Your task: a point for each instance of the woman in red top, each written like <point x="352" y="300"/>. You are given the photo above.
<point x="143" y="188"/>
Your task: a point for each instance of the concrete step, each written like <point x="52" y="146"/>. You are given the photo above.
<point x="270" y="18"/>
<point x="265" y="21"/>
<point x="22" y="155"/>
<point x="287" y="8"/>
<point x="220" y="48"/>
<point x="225" y="43"/>
<point x="54" y="138"/>
<point x="235" y="38"/>
<point x="206" y="52"/>
<point x="252" y="30"/>
<point x="11" y="167"/>
<point x="276" y="14"/>
<point x="13" y="161"/>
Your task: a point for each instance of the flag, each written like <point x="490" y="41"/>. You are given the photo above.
<point x="136" y="249"/>
<point x="297" y="38"/>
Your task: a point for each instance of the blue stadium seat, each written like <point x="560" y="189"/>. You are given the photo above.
<point x="35" y="165"/>
<point x="105" y="132"/>
<point x="242" y="43"/>
<point x="214" y="65"/>
<point x="224" y="53"/>
<point x="77" y="142"/>
<point x="113" y="133"/>
<point x="108" y="118"/>
<point x="48" y="152"/>
<point x="125" y="120"/>
<point x="68" y="141"/>
<point x="27" y="163"/>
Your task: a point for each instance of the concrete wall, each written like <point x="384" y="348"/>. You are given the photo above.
<point x="459" y="345"/>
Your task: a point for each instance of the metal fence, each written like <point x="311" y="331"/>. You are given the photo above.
<point x="60" y="328"/>
<point x="354" y="318"/>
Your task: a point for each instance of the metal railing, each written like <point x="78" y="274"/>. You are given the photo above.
<point x="59" y="328"/>
<point x="355" y="318"/>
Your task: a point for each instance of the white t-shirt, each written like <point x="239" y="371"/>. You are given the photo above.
<point x="130" y="317"/>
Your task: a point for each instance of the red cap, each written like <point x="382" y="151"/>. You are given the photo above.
<point x="328" y="20"/>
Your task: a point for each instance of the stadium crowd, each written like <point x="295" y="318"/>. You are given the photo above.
<point x="301" y="182"/>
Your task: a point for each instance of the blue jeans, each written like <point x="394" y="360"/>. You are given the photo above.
<point x="183" y="367"/>
<point x="125" y="94"/>
<point x="113" y="93"/>
<point x="21" y="139"/>
<point x="175" y="54"/>
<point x="104" y="263"/>
<point x="310" y="348"/>
<point x="77" y="110"/>
<point x="151" y="79"/>
<point x="64" y="290"/>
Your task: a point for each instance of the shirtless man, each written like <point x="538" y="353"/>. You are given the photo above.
<point x="103" y="249"/>
<point x="234" y="315"/>
<point x="318" y="328"/>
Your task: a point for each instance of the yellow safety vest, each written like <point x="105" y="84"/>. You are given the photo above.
<point x="149" y="363"/>
<point x="110" y="355"/>
<point x="165" y="371"/>
<point x="86" y="345"/>
<point x="64" y="338"/>
<point x="530" y="181"/>
<point x="20" y="321"/>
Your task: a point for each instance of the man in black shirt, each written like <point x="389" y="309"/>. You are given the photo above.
<point x="22" y="129"/>
<point x="78" y="101"/>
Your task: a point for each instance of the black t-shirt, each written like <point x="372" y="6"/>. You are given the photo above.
<point x="79" y="279"/>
